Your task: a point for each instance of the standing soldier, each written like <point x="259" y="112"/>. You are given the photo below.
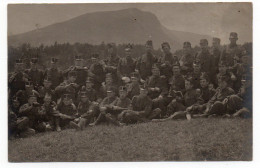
<point x="46" y="89"/>
<point x="146" y="61"/>
<point x="206" y="59"/>
<point x="196" y="73"/>
<point x="97" y="71"/>
<point x="112" y="60"/>
<point x="187" y="58"/>
<point x="90" y="92"/>
<point x="177" y="81"/>
<point x="166" y="60"/>
<point x="232" y="51"/>
<point x="133" y="88"/>
<point x="17" y="78"/>
<point x="126" y="65"/>
<point x="215" y="50"/>
<point x="109" y="82"/>
<point x="81" y="71"/>
<point x="35" y="74"/>
<point x="54" y="74"/>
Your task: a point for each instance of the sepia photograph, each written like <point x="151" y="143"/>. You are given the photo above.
<point x="130" y="82"/>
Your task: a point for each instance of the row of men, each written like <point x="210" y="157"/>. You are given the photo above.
<point x="150" y="88"/>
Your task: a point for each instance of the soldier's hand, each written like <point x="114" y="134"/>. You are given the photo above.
<point x="157" y="89"/>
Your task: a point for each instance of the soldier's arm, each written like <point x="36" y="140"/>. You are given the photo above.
<point x="25" y="109"/>
<point x="148" y="108"/>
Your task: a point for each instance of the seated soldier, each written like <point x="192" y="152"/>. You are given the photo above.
<point x="176" y="109"/>
<point x="45" y="89"/>
<point x="15" y="106"/>
<point x="187" y="58"/>
<point x="69" y="86"/>
<point x="166" y="60"/>
<point x="224" y="71"/>
<point x="156" y="84"/>
<point x="18" y="126"/>
<point x="195" y="74"/>
<point x="107" y="101"/>
<point x="87" y="111"/>
<point x="217" y="104"/>
<point x="141" y="109"/>
<point x="177" y="81"/>
<point x="206" y="91"/>
<point x="133" y="88"/>
<point x="88" y="89"/>
<point x="50" y="115"/>
<point x="23" y="95"/>
<point x="66" y="111"/>
<point x="32" y="111"/>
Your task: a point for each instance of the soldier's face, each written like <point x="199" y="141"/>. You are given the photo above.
<point x="204" y="83"/>
<point x="215" y="44"/>
<point x="196" y="68"/>
<point x="72" y="78"/>
<point x="148" y="48"/>
<point x="143" y="92"/>
<point x="84" y="99"/>
<point x="28" y="88"/>
<point x="233" y="40"/>
<point x="33" y="65"/>
<point x="188" y="85"/>
<point x="134" y="80"/>
<point x="176" y="70"/>
<point x="122" y="94"/>
<point x="245" y="60"/>
<point x="47" y="84"/>
<point x="166" y="49"/>
<point x="94" y="60"/>
<point x="88" y="85"/>
<point x="204" y="46"/>
<point x="109" y="80"/>
<point x="186" y="49"/>
<point x="128" y="53"/>
<point x="222" y="84"/>
<point x="156" y="72"/>
<point x="79" y="63"/>
<point x="53" y="65"/>
<point x="32" y="100"/>
<point x="47" y="100"/>
<point x="110" y="94"/>
<point x="222" y="69"/>
<point x="16" y="104"/>
<point x="66" y="101"/>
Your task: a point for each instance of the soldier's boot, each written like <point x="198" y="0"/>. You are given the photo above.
<point x="100" y="118"/>
<point x="217" y="108"/>
<point x="27" y="133"/>
<point x="179" y="115"/>
<point x="83" y="123"/>
<point x="112" y="120"/>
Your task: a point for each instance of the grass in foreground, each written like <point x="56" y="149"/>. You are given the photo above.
<point x="197" y="140"/>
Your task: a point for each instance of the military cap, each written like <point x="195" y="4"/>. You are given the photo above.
<point x="129" y="47"/>
<point x="34" y="60"/>
<point x="72" y="73"/>
<point x="94" y="56"/>
<point x="165" y="44"/>
<point x="215" y="39"/>
<point x="126" y="79"/>
<point x="149" y="43"/>
<point x="78" y="57"/>
<point x="187" y="43"/>
<point x="66" y="96"/>
<point x="204" y="76"/>
<point x="176" y="64"/>
<point x="122" y="88"/>
<point x="109" y="75"/>
<point x="204" y="41"/>
<point x="19" y="61"/>
<point x="89" y="80"/>
<point x="34" y="94"/>
<point x="111" y="89"/>
<point x="54" y="60"/>
<point x="233" y="35"/>
<point x="134" y="75"/>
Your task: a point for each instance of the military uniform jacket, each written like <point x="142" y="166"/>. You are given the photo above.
<point x="177" y="83"/>
<point x="36" y="77"/>
<point x="187" y="60"/>
<point x="133" y="89"/>
<point x="63" y="87"/>
<point x="157" y="81"/>
<point x="207" y="62"/>
<point x="221" y="94"/>
<point x="108" y="101"/>
<point x="91" y="94"/>
<point x="206" y="94"/>
<point x="124" y="103"/>
<point x="23" y="96"/>
<point x="144" y="65"/>
<point x="83" y="107"/>
<point x="142" y="104"/>
<point x="230" y="52"/>
<point x="69" y="110"/>
<point x="82" y="74"/>
<point x="196" y="78"/>
<point x="190" y="97"/>
<point x="216" y="52"/>
<point x="16" y="82"/>
<point x="125" y="67"/>
<point x="166" y="61"/>
<point x="97" y="72"/>
<point x="55" y="76"/>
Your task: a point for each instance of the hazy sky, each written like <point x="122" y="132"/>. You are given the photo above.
<point x="215" y="19"/>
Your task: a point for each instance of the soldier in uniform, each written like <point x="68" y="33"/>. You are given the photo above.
<point x="133" y="88"/>
<point x="166" y="60"/>
<point x="46" y="89"/>
<point x="177" y="81"/>
<point x="15" y="105"/>
<point x="17" y="79"/>
<point x="109" y="82"/>
<point x="141" y="109"/>
<point x="206" y="59"/>
<point x="156" y="84"/>
<point x="91" y="93"/>
<point x="215" y="50"/>
<point x="126" y="65"/>
<point x="69" y="86"/>
<point x="23" y="95"/>
<point x="232" y="50"/>
<point x="97" y="71"/>
<point x="32" y="111"/>
<point x="35" y="75"/>
<point x="225" y="71"/>
<point x="54" y="74"/>
<point x="206" y="92"/>
<point x="81" y="71"/>
<point x="146" y="61"/>
<point x="66" y="110"/>
<point x="112" y="61"/>
<point x="195" y="74"/>
<point x="187" y="59"/>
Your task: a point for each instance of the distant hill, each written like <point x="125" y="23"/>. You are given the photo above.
<point x="123" y="26"/>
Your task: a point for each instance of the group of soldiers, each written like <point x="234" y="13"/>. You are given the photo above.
<point x="215" y="82"/>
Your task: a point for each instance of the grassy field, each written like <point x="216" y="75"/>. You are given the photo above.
<point x="197" y="140"/>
